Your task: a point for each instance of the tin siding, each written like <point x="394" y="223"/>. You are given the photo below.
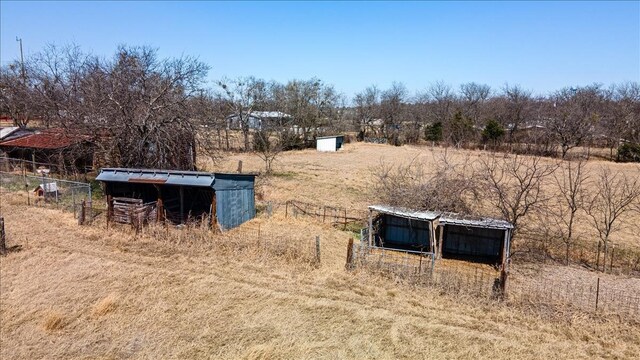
<point x="234" y="207"/>
<point x="462" y="240"/>
<point x="406" y="233"/>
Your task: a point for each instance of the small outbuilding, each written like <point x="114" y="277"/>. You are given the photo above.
<point x="223" y="200"/>
<point x="329" y="143"/>
<point x="46" y="190"/>
<point x="447" y="235"/>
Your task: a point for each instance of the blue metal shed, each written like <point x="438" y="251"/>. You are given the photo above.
<point x="227" y="199"/>
<point x="446" y="234"/>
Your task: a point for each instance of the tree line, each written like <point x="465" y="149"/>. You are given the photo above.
<point x="475" y="114"/>
<point x="147" y="111"/>
<point x="549" y="202"/>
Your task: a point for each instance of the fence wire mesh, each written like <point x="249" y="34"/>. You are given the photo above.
<point x="46" y="191"/>
<point x="597" y="296"/>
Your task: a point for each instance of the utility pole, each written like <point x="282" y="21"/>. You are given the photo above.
<point x="24" y="75"/>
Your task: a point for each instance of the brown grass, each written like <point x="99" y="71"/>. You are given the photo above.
<point x="53" y="321"/>
<point x="344" y="178"/>
<point x="105" y="306"/>
<point x="194" y="300"/>
<point x="179" y="294"/>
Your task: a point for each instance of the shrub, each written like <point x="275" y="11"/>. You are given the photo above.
<point x="433" y="132"/>
<point x="629" y="152"/>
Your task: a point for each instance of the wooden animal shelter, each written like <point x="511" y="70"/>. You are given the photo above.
<point x="144" y="195"/>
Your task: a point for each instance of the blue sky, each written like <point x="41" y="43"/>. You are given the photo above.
<point x="542" y="46"/>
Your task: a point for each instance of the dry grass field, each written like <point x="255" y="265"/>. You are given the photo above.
<point x="88" y="293"/>
<point x="345" y="178"/>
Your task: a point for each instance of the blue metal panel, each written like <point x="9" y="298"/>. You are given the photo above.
<point x="406" y="232"/>
<point x="234" y="181"/>
<point x="234" y="207"/>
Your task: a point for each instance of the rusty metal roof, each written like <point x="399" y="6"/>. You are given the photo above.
<point x="45" y="139"/>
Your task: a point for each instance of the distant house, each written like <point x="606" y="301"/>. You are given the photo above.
<point x="329" y="143"/>
<point x="65" y="150"/>
<point x="258" y="120"/>
<point x="447" y="235"/>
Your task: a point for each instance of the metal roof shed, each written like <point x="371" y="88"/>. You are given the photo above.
<point x="477" y="239"/>
<point x="473" y="238"/>
<point x="402" y="228"/>
<point x="227" y="199"/>
<point x="329" y="143"/>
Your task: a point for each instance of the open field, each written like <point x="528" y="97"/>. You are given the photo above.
<point x="81" y="292"/>
<point x="84" y="292"/>
<point x="345" y="179"/>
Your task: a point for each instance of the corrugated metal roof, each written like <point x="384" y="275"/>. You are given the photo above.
<point x="445" y="217"/>
<point x="406" y="213"/>
<point x="46" y="139"/>
<point x="473" y="221"/>
<point x="329" y="137"/>
<point x="168" y="177"/>
<point x="270" y="114"/>
<point x="6" y="131"/>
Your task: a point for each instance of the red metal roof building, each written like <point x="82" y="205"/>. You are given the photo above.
<point x="45" y="139"/>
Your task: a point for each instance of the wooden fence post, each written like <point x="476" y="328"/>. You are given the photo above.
<point x="598" y="258"/>
<point x="597" y="291"/>
<point x="317" y="249"/>
<point x="611" y="264"/>
<point x="349" y="264"/>
<point x="3" y="238"/>
<point x="504" y="276"/>
<point x="82" y="213"/>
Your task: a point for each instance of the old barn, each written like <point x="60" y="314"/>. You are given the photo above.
<point x="447" y="235"/>
<point x="222" y="200"/>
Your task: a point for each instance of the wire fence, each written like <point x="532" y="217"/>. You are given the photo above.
<point x="45" y="191"/>
<point x="592" y="295"/>
<point x="599" y="295"/>
<point x="618" y="259"/>
<point x="247" y="241"/>
<point x="22" y="166"/>
<point x="340" y="217"/>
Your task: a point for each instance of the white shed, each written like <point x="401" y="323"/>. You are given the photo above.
<point x="329" y="143"/>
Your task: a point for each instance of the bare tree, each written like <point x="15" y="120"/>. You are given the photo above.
<point x="16" y="95"/>
<point x="367" y="105"/>
<point x="243" y="96"/>
<point x="473" y="99"/>
<point x="442" y="185"/>
<point x="442" y="98"/>
<point x="570" y="181"/>
<point x="392" y="105"/>
<point x="516" y="110"/>
<point x="615" y="196"/>
<point x="515" y="185"/>
<point x="574" y="114"/>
